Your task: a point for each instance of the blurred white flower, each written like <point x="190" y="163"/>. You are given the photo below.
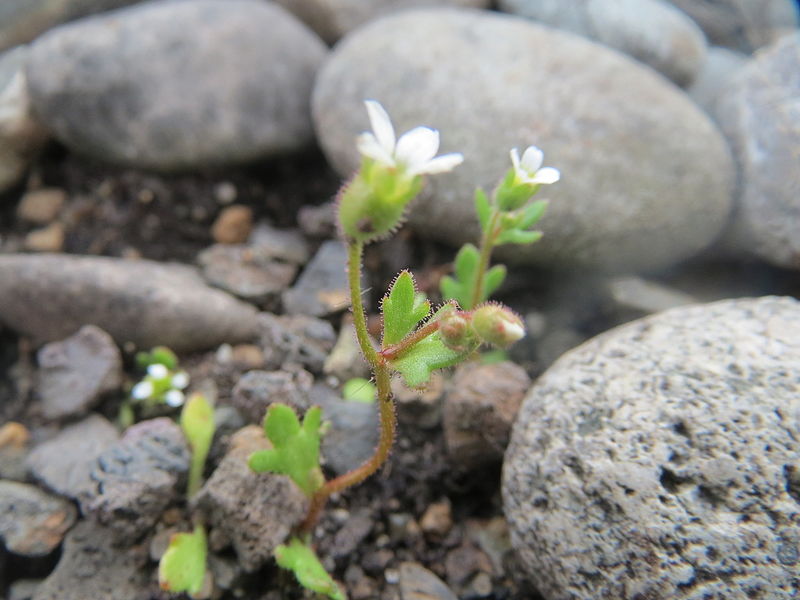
<point x="174" y="398"/>
<point x="180" y="380"/>
<point x="414" y="153"/>
<point x="142" y="390"/>
<point x="157" y="371"/>
<point x="529" y="170"/>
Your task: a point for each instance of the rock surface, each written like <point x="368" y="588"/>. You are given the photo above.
<point x="660" y="459"/>
<point x="230" y="85"/>
<point x="418" y="583"/>
<point x="256" y="390"/>
<point x="49" y="297"/>
<point x="651" y="31"/>
<point x="759" y="111"/>
<point x="322" y="287"/>
<point x="719" y="68"/>
<point x="256" y="511"/>
<point x="289" y="340"/>
<point x="624" y="139"/>
<point x="65" y="462"/>
<point x="75" y="372"/>
<point x="32" y="522"/>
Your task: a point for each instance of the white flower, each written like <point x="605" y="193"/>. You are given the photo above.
<point x="180" y="380"/>
<point x="529" y="170"/>
<point x="157" y="371"/>
<point x="174" y="398"/>
<point x="413" y="153"/>
<point x="142" y="390"/>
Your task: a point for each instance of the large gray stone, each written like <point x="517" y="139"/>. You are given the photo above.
<point x="178" y="84"/>
<point x="759" y="111"/>
<point x="651" y="31"/>
<point x="50" y="296"/>
<point x="646" y="176"/>
<point x="659" y="460"/>
<point x="719" y="68"/>
<point x="32" y="522"/>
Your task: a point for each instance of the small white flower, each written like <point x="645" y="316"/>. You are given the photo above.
<point x="529" y="170"/>
<point x="180" y="380"/>
<point x="174" y="398"/>
<point x="157" y="371"/>
<point x="142" y="390"/>
<point x="414" y="153"/>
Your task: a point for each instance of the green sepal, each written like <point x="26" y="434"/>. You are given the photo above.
<point x="359" y="389"/>
<point x="197" y="423"/>
<point x="295" y="450"/>
<point x="301" y="559"/>
<point x="423" y="358"/>
<point x="482" y="208"/>
<point x="183" y="566"/>
<point x="517" y="236"/>
<point x="403" y="308"/>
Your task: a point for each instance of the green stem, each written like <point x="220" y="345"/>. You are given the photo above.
<point x="354" y="253"/>
<point x="487" y="242"/>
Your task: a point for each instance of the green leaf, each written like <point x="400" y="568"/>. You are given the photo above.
<point x="197" y="422"/>
<point x="466" y="270"/>
<point x="158" y="355"/>
<point x="466" y="263"/>
<point x="517" y="236"/>
<point x="424" y="357"/>
<point x="303" y="562"/>
<point x="532" y="213"/>
<point x="359" y="389"/>
<point x="183" y="566"/>
<point x="482" y="208"/>
<point x="403" y="308"/>
<point x="492" y="280"/>
<point x="295" y="449"/>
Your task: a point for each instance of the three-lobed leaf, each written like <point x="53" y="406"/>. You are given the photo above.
<point x="426" y="356"/>
<point x="403" y="308"/>
<point x="183" y="566"/>
<point x="303" y="562"/>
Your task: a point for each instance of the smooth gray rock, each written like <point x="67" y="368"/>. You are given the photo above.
<point x="759" y="111"/>
<point x="256" y="511"/>
<point x="719" y="68"/>
<point x="65" y="462"/>
<point x="651" y="31"/>
<point x="322" y="287"/>
<point x="331" y="19"/>
<point x="74" y="373"/>
<point x="646" y="176"/>
<point x="134" y="480"/>
<point x="179" y="84"/>
<point x="32" y="522"/>
<point x="659" y="459"/>
<point x="291" y="340"/>
<point x="92" y="567"/>
<point x="50" y="296"/>
<point x="743" y="25"/>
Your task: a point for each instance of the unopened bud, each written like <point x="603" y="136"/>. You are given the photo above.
<point x="456" y="332"/>
<point x="497" y="325"/>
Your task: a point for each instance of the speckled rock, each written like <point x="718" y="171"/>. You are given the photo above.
<point x="659" y="459"/>
<point x="50" y="296"/>
<point x="651" y="31"/>
<point x="331" y="19"/>
<point x="32" y="522"/>
<point x="760" y="113"/>
<point x="291" y="340"/>
<point x="624" y="139"/>
<point x="231" y="84"/>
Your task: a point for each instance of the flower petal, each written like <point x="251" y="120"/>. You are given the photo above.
<point x="381" y="125"/>
<point x="416" y="147"/>
<point x="369" y="146"/>
<point x="532" y="159"/>
<point x="546" y="176"/>
<point x="440" y="164"/>
<point x="515" y="159"/>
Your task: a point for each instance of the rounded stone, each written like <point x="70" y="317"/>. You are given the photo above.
<point x="231" y="83"/>
<point x="651" y="31"/>
<point x="659" y="459"/>
<point x="759" y="111"/>
<point x="646" y="176"/>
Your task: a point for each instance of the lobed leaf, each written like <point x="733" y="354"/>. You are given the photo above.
<point x="403" y="308"/>
<point x="303" y="562"/>
<point x="183" y="566"/>
<point x="424" y="357"/>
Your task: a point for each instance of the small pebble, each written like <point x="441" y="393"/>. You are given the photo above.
<point x="46" y="239"/>
<point x="438" y="519"/>
<point x="233" y="225"/>
<point x="41" y="206"/>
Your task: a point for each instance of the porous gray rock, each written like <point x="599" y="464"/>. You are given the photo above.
<point x="137" y="478"/>
<point x="50" y="296"/>
<point x="74" y="373"/>
<point x="759" y="112"/>
<point x="646" y="176"/>
<point x="64" y="463"/>
<point x="290" y="340"/>
<point x="651" y="31"/>
<point x="256" y="390"/>
<point x="32" y="522"/>
<point x="256" y="511"/>
<point x="659" y="459"/>
<point x="229" y="85"/>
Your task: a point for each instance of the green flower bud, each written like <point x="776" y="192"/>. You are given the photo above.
<point x="456" y="331"/>
<point x="497" y="325"/>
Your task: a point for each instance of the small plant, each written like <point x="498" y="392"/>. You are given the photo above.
<point x="416" y="340"/>
<point x="162" y="385"/>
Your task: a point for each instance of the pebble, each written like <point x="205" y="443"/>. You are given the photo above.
<point x="318" y="221"/>
<point x="622" y="136"/>
<point x="420" y="407"/>
<point x="322" y="287"/>
<point x="295" y="340"/>
<point x="14" y="450"/>
<point x="65" y="462"/>
<point x="758" y="112"/>
<point x="345" y="360"/>
<point x="32" y="522"/>
<point x="137" y="478"/>
<point x="255" y="510"/>
<point x="233" y="225"/>
<point x="257" y="389"/>
<point x="418" y="583"/>
<point x="91" y="566"/>
<point x="719" y="68"/>
<point x="41" y="206"/>
<point x="645" y="296"/>
<point x="651" y="31"/>
<point x="351" y="534"/>
<point x="45" y="239"/>
<point x="230" y="85"/>
<point x="479" y="410"/>
<point x="659" y="458"/>
<point x="437" y="520"/>
<point x="50" y="296"/>
<point x="76" y="372"/>
<point x="287" y="245"/>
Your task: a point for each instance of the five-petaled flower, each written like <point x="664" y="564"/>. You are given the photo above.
<point x="529" y="170"/>
<point x="413" y="154"/>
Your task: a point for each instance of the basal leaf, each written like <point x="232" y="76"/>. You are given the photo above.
<point x="303" y="562"/>
<point x="280" y="423"/>
<point x="183" y="565"/>
<point x="197" y="422"/>
<point x="403" y="308"/>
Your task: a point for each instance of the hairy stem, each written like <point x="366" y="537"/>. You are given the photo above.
<point x="395" y="350"/>
<point x="487" y="242"/>
<point x="354" y="253"/>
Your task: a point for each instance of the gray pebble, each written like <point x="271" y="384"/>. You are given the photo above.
<point x="720" y="66"/>
<point x="256" y="390"/>
<point x="289" y="340"/>
<point x="418" y="583"/>
<point x="322" y="287"/>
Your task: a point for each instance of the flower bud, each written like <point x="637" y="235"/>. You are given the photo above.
<point x="497" y="325"/>
<point x="456" y="331"/>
